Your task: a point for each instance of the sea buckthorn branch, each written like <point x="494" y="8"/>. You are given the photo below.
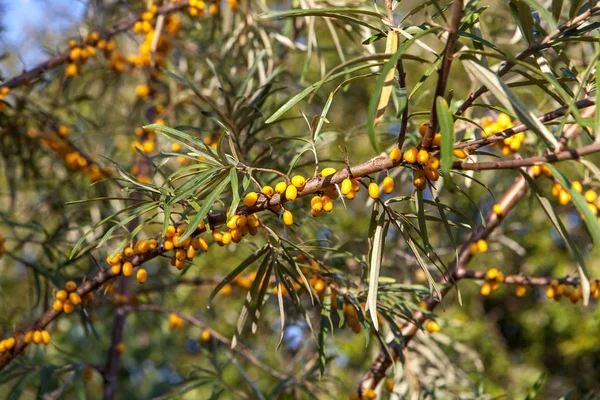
<point x="456" y="269"/>
<point x="440" y="89"/>
<point x="500" y="136"/>
<point x="535" y="47"/>
<point x="239" y="348"/>
<point x="570" y="154"/>
<point x="62" y="58"/>
<point x="522" y="279"/>
<point x="313" y="185"/>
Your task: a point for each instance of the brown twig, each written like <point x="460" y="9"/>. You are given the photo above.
<point x="440" y="89"/>
<point x="28" y="77"/>
<point x="523" y="279"/>
<point x="570" y="154"/>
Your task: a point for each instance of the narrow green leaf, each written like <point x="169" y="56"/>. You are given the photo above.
<point x="375" y="258"/>
<point x="447" y="131"/>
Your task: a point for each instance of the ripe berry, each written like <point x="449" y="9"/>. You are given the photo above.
<point x="298" y="181"/>
<point x="410" y="155"/>
<point x="373" y="190"/>
<point x="485" y="289"/>
<point x="327" y="204"/>
<point x="288" y="218"/>
<point x="70" y="286"/>
<point x="423" y="128"/>
<point x="492" y="273"/>
<point x="389" y="384"/>
<point x="433" y="163"/>
<point x="432" y="327"/>
<point x="45" y="337"/>
<point x="268" y="190"/>
<point x="37" y="337"/>
<point x="388" y="185"/>
<point x="346" y="186"/>
<point x="498" y="209"/>
<point x="57" y="305"/>
<point x="127" y="269"/>
<point x="396" y="155"/>
<point x="422" y="157"/>
<point x="482" y="246"/>
<point x="327" y="171"/>
<point x="62" y="295"/>
<point x="205" y="335"/>
<point x="226" y="239"/>
<point x="291" y="192"/>
<point x="128" y="252"/>
<point x="142" y="275"/>
<point x="437" y="140"/>
<point x="115" y="269"/>
<point x="74" y="298"/>
<point x="281" y="187"/>
<point x="28" y="337"/>
<point x="564" y="197"/>
<point x="250" y="199"/>
<point x="590" y="196"/>
<point x="68" y="307"/>
<point x="520" y="290"/>
<point x="577" y="186"/>
<point x="460" y="154"/>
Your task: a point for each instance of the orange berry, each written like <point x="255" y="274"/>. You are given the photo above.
<point x="410" y="155"/>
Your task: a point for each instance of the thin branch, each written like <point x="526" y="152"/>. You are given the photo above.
<point x="570" y="154"/>
<point x="440" y="89"/>
<point x="524" y="279"/>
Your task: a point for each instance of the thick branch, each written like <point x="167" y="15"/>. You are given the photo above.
<point x="524" y="279"/>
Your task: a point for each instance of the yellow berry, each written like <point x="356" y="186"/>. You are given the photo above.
<point x="410" y="155"/>
<point x="485" y="289"/>
<point x="389" y="384"/>
<point x="423" y="128"/>
<point x="268" y="190"/>
<point x="57" y="305"/>
<point x="120" y="348"/>
<point x="576" y="185"/>
<point x="316" y="203"/>
<point x="432" y="327"/>
<point x="71" y="70"/>
<point x="396" y="155"/>
<point x="460" y="154"/>
<point x="128" y="252"/>
<point x="498" y="209"/>
<point x="68" y="307"/>
<point x="250" y="199"/>
<point x="437" y="139"/>
<point x="205" y="335"/>
<point x="388" y="185"/>
<point x="74" y="298"/>
<point x="127" y="269"/>
<point x="142" y="90"/>
<point x="433" y="163"/>
<point x="590" y="196"/>
<point x="62" y="295"/>
<point x="281" y="187"/>
<point x="28" y="337"/>
<point x="291" y="192"/>
<point x="70" y="286"/>
<point x="298" y="181"/>
<point x="346" y="186"/>
<point x="226" y="239"/>
<point x="564" y="197"/>
<point x="141" y="275"/>
<point x="422" y="157"/>
<point x="327" y="204"/>
<point x="373" y="190"/>
<point x="482" y="246"/>
<point x="327" y="171"/>
<point x="492" y="273"/>
<point x="288" y="218"/>
<point x="520" y="290"/>
<point x="45" y="337"/>
<point x="115" y="269"/>
<point x="37" y="337"/>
